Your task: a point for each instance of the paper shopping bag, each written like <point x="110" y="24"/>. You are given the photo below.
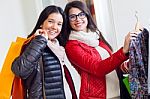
<point x="126" y="82"/>
<point x="6" y="76"/>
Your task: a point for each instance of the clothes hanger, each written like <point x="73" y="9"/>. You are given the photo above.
<point x="138" y="26"/>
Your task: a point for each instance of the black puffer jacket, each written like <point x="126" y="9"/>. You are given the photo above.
<point x="27" y="66"/>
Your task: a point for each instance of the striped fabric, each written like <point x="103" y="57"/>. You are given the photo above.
<point x="52" y="76"/>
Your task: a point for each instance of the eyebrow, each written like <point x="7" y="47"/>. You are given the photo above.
<point x="75" y="14"/>
<point x="54" y="20"/>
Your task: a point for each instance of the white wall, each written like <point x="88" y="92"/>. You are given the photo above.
<point x="105" y="21"/>
<point x="116" y="18"/>
<point x="124" y="16"/>
<point x="17" y="18"/>
<point x="60" y="3"/>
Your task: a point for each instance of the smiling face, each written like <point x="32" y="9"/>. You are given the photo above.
<point x="79" y="24"/>
<point x="53" y="25"/>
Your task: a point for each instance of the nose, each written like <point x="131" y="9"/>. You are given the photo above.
<point x="77" y="18"/>
<point x="54" y="26"/>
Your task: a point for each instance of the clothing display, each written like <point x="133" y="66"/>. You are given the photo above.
<point x="138" y="66"/>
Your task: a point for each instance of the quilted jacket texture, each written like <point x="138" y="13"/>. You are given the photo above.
<point x="92" y="68"/>
<point x="28" y="67"/>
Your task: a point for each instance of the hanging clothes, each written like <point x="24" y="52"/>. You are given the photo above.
<point x="138" y="66"/>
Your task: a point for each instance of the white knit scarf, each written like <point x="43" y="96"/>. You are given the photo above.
<point x="59" y="51"/>
<point x="91" y="39"/>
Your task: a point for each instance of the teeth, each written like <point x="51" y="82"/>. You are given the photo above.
<point x="52" y="33"/>
<point x="78" y="24"/>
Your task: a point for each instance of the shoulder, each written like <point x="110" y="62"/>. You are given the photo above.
<point x="72" y="43"/>
<point x="105" y="46"/>
<point x="76" y="44"/>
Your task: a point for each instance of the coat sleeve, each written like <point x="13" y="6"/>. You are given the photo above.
<point x="27" y="62"/>
<point x="89" y="63"/>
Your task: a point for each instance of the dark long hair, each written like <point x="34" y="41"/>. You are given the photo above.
<point x="91" y="24"/>
<point x="44" y="15"/>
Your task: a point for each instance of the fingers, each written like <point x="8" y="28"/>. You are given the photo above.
<point x="133" y="35"/>
<point x="42" y="33"/>
<point x="124" y="67"/>
<point x="130" y="36"/>
<point x="37" y="32"/>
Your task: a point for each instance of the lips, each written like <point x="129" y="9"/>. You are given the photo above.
<point x="78" y="24"/>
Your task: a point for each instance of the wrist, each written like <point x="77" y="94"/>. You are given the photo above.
<point x="127" y="54"/>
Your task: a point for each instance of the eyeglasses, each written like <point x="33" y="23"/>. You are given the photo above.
<point x="73" y="17"/>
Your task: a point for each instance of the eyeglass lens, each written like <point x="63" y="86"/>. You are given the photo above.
<point x="73" y="17"/>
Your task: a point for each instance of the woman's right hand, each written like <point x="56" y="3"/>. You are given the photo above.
<point x="42" y="33"/>
<point x="125" y="67"/>
<point x="128" y="37"/>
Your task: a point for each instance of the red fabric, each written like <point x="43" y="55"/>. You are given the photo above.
<point x="91" y="67"/>
<point x="102" y="44"/>
<point x="18" y="89"/>
<point x="70" y="82"/>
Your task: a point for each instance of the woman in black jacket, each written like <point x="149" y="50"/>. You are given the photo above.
<point x="42" y="63"/>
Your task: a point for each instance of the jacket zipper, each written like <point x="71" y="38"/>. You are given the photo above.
<point x="42" y="73"/>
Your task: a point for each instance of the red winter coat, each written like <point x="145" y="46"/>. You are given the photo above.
<point x="92" y="68"/>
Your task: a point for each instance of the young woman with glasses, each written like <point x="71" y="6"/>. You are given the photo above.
<point x="91" y="55"/>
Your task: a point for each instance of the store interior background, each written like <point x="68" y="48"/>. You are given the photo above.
<point x="115" y="18"/>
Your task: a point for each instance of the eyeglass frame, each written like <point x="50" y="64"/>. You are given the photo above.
<point x="79" y="15"/>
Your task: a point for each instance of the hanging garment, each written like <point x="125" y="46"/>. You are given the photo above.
<point x="138" y="66"/>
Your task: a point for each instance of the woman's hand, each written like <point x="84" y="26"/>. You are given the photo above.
<point x="125" y="67"/>
<point x="42" y="33"/>
<point x="128" y="37"/>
